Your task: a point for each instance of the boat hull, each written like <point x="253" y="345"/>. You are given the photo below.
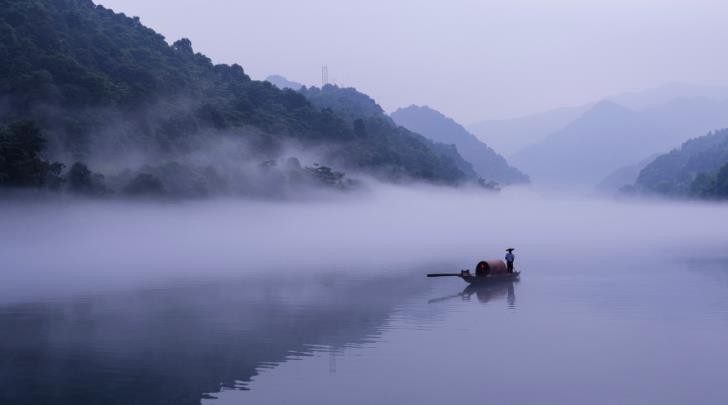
<point x="491" y="278"/>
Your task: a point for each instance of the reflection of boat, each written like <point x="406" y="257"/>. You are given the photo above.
<point x="486" y="272"/>
<point x="485" y="292"/>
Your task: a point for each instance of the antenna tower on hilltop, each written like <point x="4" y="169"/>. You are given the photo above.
<point x="324" y="75"/>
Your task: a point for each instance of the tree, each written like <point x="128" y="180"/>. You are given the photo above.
<point x="20" y="162"/>
<point x="145" y="184"/>
<point x="703" y="185"/>
<point x="81" y="180"/>
<point x="183" y="45"/>
<point x="721" y="182"/>
<point x="360" y="129"/>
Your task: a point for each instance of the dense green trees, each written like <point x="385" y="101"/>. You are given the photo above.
<point x="699" y="168"/>
<point x="145" y="184"/>
<point x="711" y="185"/>
<point x="21" y="162"/>
<point x="81" y="180"/>
<point x="379" y="143"/>
<point x="721" y="183"/>
<point x="88" y="77"/>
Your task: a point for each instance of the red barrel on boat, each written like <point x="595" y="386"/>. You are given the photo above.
<point x="486" y="267"/>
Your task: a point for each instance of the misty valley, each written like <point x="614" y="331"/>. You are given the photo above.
<point x="175" y="230"/>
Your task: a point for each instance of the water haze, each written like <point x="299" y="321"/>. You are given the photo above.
<point x="325" y="301"/>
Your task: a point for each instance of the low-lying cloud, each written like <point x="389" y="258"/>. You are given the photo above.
<point x="78" y="245"/>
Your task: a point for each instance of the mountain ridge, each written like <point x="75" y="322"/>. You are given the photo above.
<point x="487" y="163"/>
<point x="511" y="135"/>
<point x="588" y="149"/>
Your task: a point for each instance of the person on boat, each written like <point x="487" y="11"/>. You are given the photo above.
<point x="510" y="258"/>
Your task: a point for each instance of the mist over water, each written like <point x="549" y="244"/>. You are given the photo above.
<point x="86" y="244"/>
<point x="325" y="301"/>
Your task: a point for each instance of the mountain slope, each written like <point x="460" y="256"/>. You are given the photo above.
<point x="369" y="122"/>
<point x="603" y="139"/>
<point x="610" y="136"/>
<point x="625" y="176"/>
<point x="663" y="105"/>
<point x="434" y="125"/>
<point x="684" y="118"/>
<point x="511" y="135"/>
<point x="691" y="170"/>
<point x="111" y="92"/>
<point x="653" y="97"/>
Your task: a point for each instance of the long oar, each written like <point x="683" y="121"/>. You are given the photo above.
<point x="444" y="275"/>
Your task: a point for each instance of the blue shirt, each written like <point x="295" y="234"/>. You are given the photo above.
<point x="510" y="257"/>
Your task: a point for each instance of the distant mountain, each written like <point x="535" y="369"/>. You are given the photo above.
<point x="283" y="83"/>
<point x="511" y="135"/>
<point x="668" y="92"/>
<point x="684" y="118"/>
<point x="604" y="138"/>
<point x="624" y="176"/>
<point x="434" y="125"/>
<point x="699" y="168"/>
<point x="667" y="102"/>
<point x="610" y="136"/>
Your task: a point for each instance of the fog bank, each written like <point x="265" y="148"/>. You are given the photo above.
<point x="85" y="245"/>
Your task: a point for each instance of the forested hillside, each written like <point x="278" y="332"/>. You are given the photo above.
<point x="699" y="168"/>
<point x="102" y="89"/>
<point x="486" y="162"/>
<point x="385" y="138"/>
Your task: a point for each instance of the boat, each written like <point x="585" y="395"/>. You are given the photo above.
<point x="486" y="271"/>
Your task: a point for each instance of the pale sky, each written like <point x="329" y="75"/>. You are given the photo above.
<point x="472" y="60"/>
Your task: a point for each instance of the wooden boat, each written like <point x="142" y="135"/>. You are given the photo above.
<point x="487" y="271"/>
<point x="491" y="278"/>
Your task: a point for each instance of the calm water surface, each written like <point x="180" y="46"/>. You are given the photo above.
<point x="646" y="332"/>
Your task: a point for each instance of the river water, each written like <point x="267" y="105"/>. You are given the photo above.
<point x="618" y="326"/>
<point x="574" y="335"/>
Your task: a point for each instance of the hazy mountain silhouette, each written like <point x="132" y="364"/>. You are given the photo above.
<point x="604" y="138"/>
<point x="511" y="135"/>
<point x="684" y="118"/>
<point x="681" y="107"/>
<point x="283" y="83"/>
<point x="668" y="92"/>
<point x="624" y="176"/>
<point x="609" y="137"/>
<point x="434" y="125"/>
